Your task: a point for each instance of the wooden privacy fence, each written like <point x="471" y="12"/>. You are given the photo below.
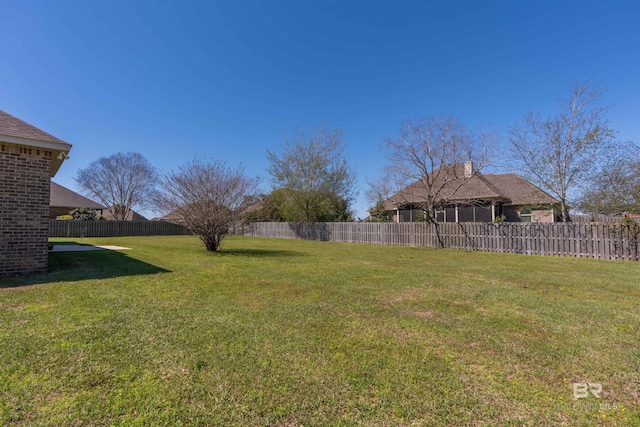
<point x="583" y="219"/>
<point x="600" y="241"/>
<point x="73" y="228"/>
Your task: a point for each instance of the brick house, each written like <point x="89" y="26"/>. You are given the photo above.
<point x="62" y="201"/>
<point x="466" y="195"/>
<point x="29" y="157"/>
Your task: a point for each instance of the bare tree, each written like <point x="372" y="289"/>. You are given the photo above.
<point x="207" y="198"/>
<point x="313" y="170"/>
<point x="429" y="160"/>
<point x="558" y="153"/>
<point x="615" y="187"/>
<point x="121" y="182"/>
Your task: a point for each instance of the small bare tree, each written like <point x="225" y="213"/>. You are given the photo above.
<point x="207" y="198"/>
<point x="121" y="182"/>
<point x="429" y="160"/>
<point x="559" y="153"/>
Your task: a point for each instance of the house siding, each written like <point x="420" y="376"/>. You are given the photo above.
<point x="24" y="209"/>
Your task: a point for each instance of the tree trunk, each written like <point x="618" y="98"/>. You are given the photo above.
<point x="212" y="242"/>
<point x="432" y="219"/>
<point x="565" y="212"/>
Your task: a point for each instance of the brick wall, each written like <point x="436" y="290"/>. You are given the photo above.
<point x="542" y="215"/>
<point x="24" y="209"/>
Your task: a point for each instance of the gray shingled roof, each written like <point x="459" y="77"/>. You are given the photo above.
<point x="63" y="197"/>
<point x="518" y="190"/>
<point x="131" y="216"/>
<point x="510" y="188"/>
<point x="13" y="126"/>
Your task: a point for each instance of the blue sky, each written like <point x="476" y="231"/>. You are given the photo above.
<point x="229" y="79"/>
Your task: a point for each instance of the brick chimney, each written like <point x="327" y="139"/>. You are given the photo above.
<point x="468" y="169"/>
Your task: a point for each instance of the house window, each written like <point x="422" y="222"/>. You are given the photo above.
<point x="410" y="213"/>
<point x="465" y="214"/>
<point x="450" y="214"/>
<point x="483" y="213"/>
<point x="525" y="214"/>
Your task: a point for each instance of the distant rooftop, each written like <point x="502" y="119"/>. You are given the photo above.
<point x="453" y="186"/>
<point x="63" y="197"/>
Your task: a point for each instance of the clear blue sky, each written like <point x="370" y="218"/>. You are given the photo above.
<point x="228" y="79"/>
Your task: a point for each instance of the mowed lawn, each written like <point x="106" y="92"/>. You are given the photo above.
<point x="290" y="332"/>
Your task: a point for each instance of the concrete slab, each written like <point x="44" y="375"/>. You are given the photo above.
<point x="114" y="248"/>
<point x="83" y="248"/>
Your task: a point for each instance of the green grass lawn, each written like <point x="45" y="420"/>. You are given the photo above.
<point x="289" y="332"/>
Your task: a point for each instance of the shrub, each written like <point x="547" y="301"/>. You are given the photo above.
<point x="84" y="214"/>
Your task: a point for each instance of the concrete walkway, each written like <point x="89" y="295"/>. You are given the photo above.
<point x="82" y="248"/>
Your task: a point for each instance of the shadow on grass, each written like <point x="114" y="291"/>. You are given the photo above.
<point x="265" y="253"/>
<point x="311" y="231"/>
<point x="75" y="266"/>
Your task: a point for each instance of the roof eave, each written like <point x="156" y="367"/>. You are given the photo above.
<point x="55" y="147"/>
<point x="535" y="204"/>
<point x="60" y="146"/>
<point x="67" y="206"/>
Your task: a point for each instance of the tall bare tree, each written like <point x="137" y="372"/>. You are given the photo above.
<point x="207" y="198"/>
<point x="313" y="170"/>
<point x="429" y="160"/>
<point x="122" y="182"/>
<point x="558" y="153"/>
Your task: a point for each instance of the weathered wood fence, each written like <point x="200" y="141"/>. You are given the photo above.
<point x="583" y="219"/>
<point x="600" y="241"/>
<point x="72" y="228"/>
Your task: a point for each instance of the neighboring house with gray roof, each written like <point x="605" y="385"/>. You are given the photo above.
<point x="466" y="195"/>
<point x="62" y="201"/>
<point x="29" y="158"/>
<point x="131" y="215"/>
